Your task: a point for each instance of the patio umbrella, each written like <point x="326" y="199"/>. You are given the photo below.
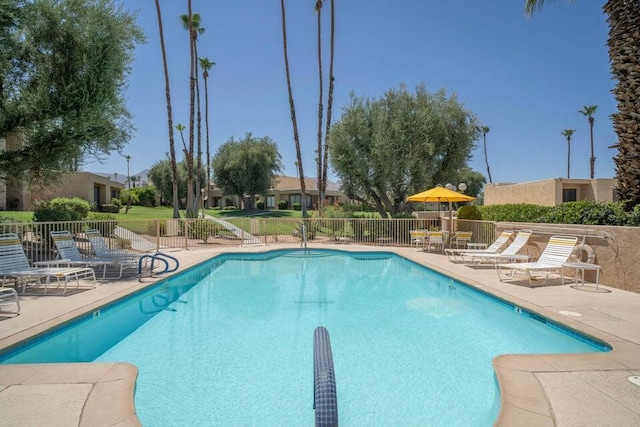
<point x="439" y="195"/>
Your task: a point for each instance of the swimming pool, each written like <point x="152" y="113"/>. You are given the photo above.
<point x="230" y="341"/>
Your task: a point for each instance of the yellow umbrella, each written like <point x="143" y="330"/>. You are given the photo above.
<point x="439" y="195"/>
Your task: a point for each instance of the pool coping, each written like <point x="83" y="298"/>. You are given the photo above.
<point x="524" y="400"/>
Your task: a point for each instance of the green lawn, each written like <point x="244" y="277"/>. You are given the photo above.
<point x="163" y="212"/>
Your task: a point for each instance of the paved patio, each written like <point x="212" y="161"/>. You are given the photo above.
<point x="537" y="390"/>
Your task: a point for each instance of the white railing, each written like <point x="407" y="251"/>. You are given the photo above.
<point x="159" y="234"/>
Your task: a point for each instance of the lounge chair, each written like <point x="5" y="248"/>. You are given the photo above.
<point x="461" y="239"/>
<point x="496" y="247"/>
<point x="511" y="253"/>
<point x="557" y="252"/>
<point x="102" y="250"/>
<point x="9" y="295"/>
<point x="70" y="255"/>
<point x="14" y="266"/>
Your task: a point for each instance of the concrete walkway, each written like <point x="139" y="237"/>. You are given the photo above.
<point x="584" y="390"/>
<point x="247" y="239"/>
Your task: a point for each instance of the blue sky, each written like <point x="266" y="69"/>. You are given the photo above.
<point x="525" y="78"/>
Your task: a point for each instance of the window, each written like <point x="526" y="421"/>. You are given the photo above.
<point x="569" y="195"/>
<point x="271" y="202"/>
<point x="295" y="198"/>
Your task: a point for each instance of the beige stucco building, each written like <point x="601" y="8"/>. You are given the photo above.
<point x="288" y="188"/>
<point x="551" y="192"/>
<point x="85" y="185"/>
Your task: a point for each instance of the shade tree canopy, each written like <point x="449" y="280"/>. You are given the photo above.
<point x="386" y="149"/>
<point x="246" y="167"/>
<point x="63" y="69"/>
<point x="162" y="177"/>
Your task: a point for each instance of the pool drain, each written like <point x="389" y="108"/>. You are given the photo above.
<point x="635" y="379"/>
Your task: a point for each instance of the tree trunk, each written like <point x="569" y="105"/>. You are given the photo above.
<point x="172" y="147"/>
<point x="206" y="125"/>
<point x="624" y="43"/>
<point x="296" y="138"/>
<point x="325" y="162"/>
<point x="319" y="157"/>
<point x="191" y="200"/>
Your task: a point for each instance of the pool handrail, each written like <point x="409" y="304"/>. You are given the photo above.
<point x="158" y="256"/>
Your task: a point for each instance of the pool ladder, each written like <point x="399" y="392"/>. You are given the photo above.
<point x="325" y="401"/>
<point x="151" y="259"/>
<point x="303" y="230"/>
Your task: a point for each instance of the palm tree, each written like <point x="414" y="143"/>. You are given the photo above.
<point x="206" y="65"/>
<point x="320" y="157"/>
<point x="172" y="148"/>
<point x="588" y="111"/>
<point x="191" y="199"/>
<point x="196" y="30"/>
<point x="485" y="131"/>
<point x="567" y="133"/>
<point x="296" y="138"/>
<point x="623" y="17"/>
<point x="325" y="162"/>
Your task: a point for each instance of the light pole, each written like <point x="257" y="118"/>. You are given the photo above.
<point x="461" y="187"/>
<point x="128" y="157"/>
<point x="202" y="190"/>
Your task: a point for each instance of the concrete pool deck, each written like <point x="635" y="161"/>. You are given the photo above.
<point x="590" y="389"/>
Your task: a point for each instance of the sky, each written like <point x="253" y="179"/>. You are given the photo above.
<point x="523" y="77"/>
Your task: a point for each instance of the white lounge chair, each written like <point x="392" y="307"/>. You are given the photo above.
<point x="14" y="266"/>
<point x="557" y="252"/>
<point x="511" y="253"/>
<point x="496" y="247"/>
<point x="102" y="250"/>
<point x="70" y="255"/>
<point x="9" y="295"/>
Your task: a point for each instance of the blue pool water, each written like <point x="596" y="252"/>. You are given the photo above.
<point x="230" y="342"/>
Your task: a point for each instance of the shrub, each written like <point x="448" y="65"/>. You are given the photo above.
<point x="260" y="204"/>
<point x="283" y="204"/>
<point x="110" y="208"/>
<point x="146" y="195"/>
<point x="77" y="207"/>
<point x="203" y="229"/>
<point x="469" y="212"/>
<point x="587" y="212"/>
<point x="116" y="202"/>
<point x="296" y="206"/>
<point x="521" y="212"/>
<point x="7" y="228"/>
<point x="49" y="215"/>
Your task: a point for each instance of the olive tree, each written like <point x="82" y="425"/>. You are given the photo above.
<point x="246" y="167"/>
<point x="386" y="149"/>
<point x="63" y="69"/>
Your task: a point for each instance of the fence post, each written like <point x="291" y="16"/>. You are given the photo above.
<point x="157" y="235"/>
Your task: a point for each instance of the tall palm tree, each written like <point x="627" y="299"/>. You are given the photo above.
<point x="172" y="147"/>
<point x="485" y="131"/>
<point x="325" y="162"/>
<point x="206" y="65"/>
<point x="567" y="133"/>
<point x="195" y="29"/>
<point x="623" y="17"/>
<point x="320" y="157"/>
<point x="296" y="138"/>
<point x="588" y="111"/>
<point x="191" y="23"/>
